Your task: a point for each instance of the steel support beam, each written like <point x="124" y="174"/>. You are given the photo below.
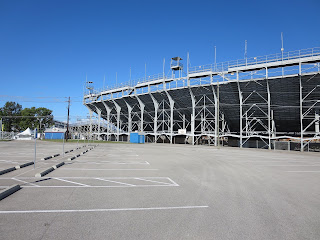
<point x="108" y="110"/>
<point x="269" y="111"/>
<point x="155" y="119"/>
<point x="118" y="108"/>
<point x="240" y="105"/>
<point x="171" y="116"/>
<point x="193" y="114"/>
<point x="142" y="106"/>
<point x="129" y="120"/>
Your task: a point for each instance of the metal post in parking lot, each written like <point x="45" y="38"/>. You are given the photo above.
<point x="63" y="145"/>
<point x="35" y="148"/>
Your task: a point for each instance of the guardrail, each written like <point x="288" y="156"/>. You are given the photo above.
<point x="277" y="57"/>
<point x="222" y="67"/>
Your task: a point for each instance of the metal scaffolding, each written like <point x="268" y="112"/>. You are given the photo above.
<point x="264" y="99"/>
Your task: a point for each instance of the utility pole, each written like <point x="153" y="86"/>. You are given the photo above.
<point x="67" y="133"/>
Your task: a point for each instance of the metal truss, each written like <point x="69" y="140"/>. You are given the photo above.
<point x="309" y="108"/>
<point x="245" y="100"/>
<point x="256" y="116"/>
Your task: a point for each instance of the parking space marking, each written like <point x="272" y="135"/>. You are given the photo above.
<point x="121" y="181"/>
<point x="309" y="165"/>
<point x="127" y="184"/>
<point x="110" y="169"/>
<point x="101" y="210"/>
<point x="111" y="162"/>
<point x="304" y="171"/>
<point x="152" y="181"/>
<point x="64" y="180"/>
<point x="25" y="182"/>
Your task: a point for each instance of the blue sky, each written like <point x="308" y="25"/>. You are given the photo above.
<point x="48" y="47"/>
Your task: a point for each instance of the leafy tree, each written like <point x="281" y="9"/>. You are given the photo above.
<point x="9" y="113"/>
<point x="15" y="118"/>
<point x="28" y="119"/>
<point x="36" y="118"/>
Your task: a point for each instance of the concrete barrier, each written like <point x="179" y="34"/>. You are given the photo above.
<point x="72" y="158"/>
<point x="55" y="155"/>
<point x="44" y="172"/>
<point x="7" y="170"/>
<point x="24" y="165"/>
<point x="8" y="191"/>
<point x="46" y="158"/>
<point x="78" y="155"/>
<point x="58" y="165"/>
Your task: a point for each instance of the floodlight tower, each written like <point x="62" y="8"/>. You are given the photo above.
<point x="176" y="65"/>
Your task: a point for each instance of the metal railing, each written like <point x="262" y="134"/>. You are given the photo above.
<point x="277" y="57"/>
<point x="222" y="67"/>
<point x="6" y="135"/>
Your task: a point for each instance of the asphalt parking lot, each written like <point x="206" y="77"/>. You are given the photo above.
<point x="160" y="191"/>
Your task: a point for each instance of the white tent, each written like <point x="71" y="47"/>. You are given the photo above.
<point x="25" y="135"/>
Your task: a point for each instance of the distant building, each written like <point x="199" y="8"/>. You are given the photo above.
<point x="55" y="133"/>
<point x="59" y="124"/>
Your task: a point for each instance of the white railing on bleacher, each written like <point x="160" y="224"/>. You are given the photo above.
<point x="223" y="67"/>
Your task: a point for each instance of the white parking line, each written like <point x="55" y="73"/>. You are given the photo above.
<point x="309" y="165"/>
<point x="127" y="184"/>
<point x="102" y="210"/>
<point x="25" y="182"/>
<point x="71" y="182"/>
<point x="121" y="181"/>
<point x="142" y="179"/>
<point x="110" y="169"/>
<point x="304" y="171"/>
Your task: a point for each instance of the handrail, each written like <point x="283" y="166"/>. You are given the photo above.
<point x="224" y="66"/>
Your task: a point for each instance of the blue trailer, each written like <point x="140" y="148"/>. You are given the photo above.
<point x="55" y="133"/>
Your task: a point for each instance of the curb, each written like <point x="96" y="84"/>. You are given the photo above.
<point x="24" y="165"/>
<point x="58" y="165"/>
<point x="44" y="172"/>
<point x="8" y="191"/>
<point x="72" y="158"/>
<point x="46" y="158"/>
<point x="7" y="170"/>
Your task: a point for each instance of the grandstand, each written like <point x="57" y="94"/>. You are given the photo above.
<point x="253" y="102"/>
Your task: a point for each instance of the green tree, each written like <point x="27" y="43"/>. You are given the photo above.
<point x="9" y="113"/>
<point x="36" y="118"/>
<point x="45" y="118"/>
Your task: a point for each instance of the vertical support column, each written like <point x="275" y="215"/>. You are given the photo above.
<point x="155" y="119"/>
<point x="316" y="124"/>
<point x="241" y="114"/>
<point x="273" y="125"/>
<point x="129" y="120"/>
<point x="301" y="109"/>
<point x="184" y="121"/>
<point x="216" y="123"/>
<point x="193" y="101"/>
<point x="108" y="119"/>
<point x="118" y="108"/>
<point x="99" y="122"/>
<point x="171" y="116"/>
<point x="90" y="131"/>
<point x="269" y="111"/>
<point x="141" y="104"/>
